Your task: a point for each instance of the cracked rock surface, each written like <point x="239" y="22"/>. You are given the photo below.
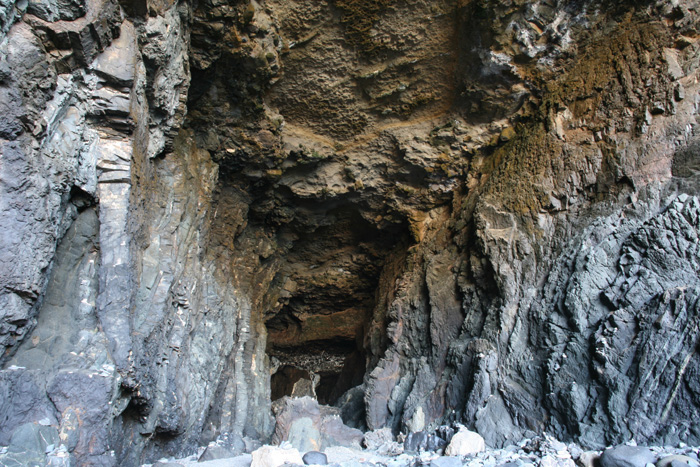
<point x="427" y="213"/>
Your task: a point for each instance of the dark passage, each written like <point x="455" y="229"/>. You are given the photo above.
<point x="327" y="295"/>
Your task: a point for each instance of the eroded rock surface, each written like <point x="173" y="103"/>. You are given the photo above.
<point x="425" y="212"/>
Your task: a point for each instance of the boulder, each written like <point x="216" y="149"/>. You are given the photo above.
<point x="465" y="443"/>
<point x="423" y="441"/>
<point x="309" y="426"/>
<point x="677" y="461"/>
<point x="315" y="458"/>
<point x="415" y="442"/>
<point x="374" y="439"/>
<point x="274" y="456"/>
<point x="627" y="456"/>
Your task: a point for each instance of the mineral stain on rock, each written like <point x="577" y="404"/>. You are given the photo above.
<point x="425" y="213"/>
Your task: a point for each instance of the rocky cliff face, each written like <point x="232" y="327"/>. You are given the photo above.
<point x="479" y="211"/>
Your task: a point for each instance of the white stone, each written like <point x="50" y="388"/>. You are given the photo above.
<point x="465" y="443"/>
<point x="274" y="456"/>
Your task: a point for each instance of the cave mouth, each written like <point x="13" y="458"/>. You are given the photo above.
<point x="324" y="370"/>
<point x="327" y="295"/>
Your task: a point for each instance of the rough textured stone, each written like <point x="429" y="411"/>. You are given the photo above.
<point x="443" y="212"/>
<point x="374" y="439"/>
<point x="465" y="443"/>
<point x="273" y="456"/>
<point x="308" y="426"/>
<point x="29" y="444"/>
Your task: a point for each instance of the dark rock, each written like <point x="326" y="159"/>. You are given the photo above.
<point x="55" y="10"/>
<point x="24" y="401"/>
<point x="483" y="214"/>
<point x="416" y="442"/>
<point x="352" y="408"/>
<point x="423" y="441"/>
<point x="315" y="458"/>
<point x="627" y="456"/>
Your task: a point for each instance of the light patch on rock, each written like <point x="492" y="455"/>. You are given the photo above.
<point x="274" y="456"/>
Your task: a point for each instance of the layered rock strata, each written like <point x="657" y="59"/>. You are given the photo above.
<point x="481" y="212"/>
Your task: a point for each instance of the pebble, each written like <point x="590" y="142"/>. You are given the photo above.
<point x="315" y="458"/>
<point x="537" y="452"/>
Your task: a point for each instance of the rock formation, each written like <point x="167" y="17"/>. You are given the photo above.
<point x="427" y="212"/>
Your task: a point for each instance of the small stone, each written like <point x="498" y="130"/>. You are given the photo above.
<point x="679" y="92"/>
<point x="507" y="134"/>
<point x="315" y="458"/>
<point x="626" y="456"/>
<point x="465" y="443"/>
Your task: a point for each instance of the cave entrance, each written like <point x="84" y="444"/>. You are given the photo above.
<point x="327" y="292"/>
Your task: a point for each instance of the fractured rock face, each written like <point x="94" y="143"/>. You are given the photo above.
<point x="427" y="212"/>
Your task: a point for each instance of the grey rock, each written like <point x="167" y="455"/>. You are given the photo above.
<point x="251" y="444"/>
<point x="315" y="458"/>
<point x="234" y="442"/>
<point x="352" y="408"/>
<point x="447" y="461"/>
<point x="677" y="460"/>
<point x="214" y="452"/>
<point x="28" y="445"/>
<point x="627" y="456"/>
<point x="309" y="426"/>
<point x="117" y="64"/>
<point x="159" y="211"/>
<point x="24" y="401"/>
<point x="374" y="439"/>
<point x="33" y="438"/>
<point x="55" y="10"/>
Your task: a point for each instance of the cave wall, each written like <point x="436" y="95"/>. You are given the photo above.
<point x="492" y="203"/>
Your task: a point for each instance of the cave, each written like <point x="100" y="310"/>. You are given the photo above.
<point x="421" y="214"/>
<point x="326" y="286"/>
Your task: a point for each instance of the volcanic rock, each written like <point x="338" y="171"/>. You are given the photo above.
<point x="421" y="213"/>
